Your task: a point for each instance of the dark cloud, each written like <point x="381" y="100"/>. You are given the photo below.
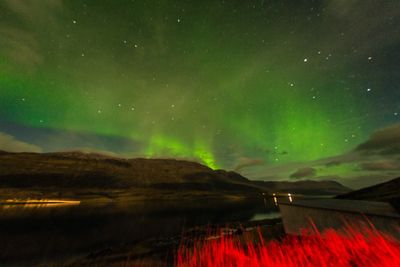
<point x="21" y="44"/>
<point x="374" y="161"/>
<point x="248" y="162"/>
<point x="333" y="163"/>
<point x="383" y="142"/>
<point x="304" y="172"/>
<point x="11" y="144"/>
<point x="380" y="166"/>
<point x="369" y="29"/>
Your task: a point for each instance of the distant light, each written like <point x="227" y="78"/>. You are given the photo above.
<point x="305" y="60"/>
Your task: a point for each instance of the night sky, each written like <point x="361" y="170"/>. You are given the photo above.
<point x="273" y="89"/>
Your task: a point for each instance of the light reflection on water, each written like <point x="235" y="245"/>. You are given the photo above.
<point x="36" y="203"/>
<point x="72" y="228"/>
<point x="265" y="216"/>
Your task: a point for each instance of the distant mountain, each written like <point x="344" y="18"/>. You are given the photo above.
<point x="87" y="170"/>
<point x="388" y="192"/>
<point x="75" y="171"/>
<point x="306" y="187"/>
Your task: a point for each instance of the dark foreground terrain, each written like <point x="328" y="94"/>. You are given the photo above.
<point x="126" y="210"/>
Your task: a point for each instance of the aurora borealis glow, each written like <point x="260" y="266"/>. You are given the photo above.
<point x="216" y="81"/>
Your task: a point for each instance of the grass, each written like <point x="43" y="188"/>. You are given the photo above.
<point x="346" y="249"/>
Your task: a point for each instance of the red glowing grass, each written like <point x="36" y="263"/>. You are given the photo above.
<point x="331" y="248"/>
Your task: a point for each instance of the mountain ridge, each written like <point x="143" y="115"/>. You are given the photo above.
<point x="79" y="170"/>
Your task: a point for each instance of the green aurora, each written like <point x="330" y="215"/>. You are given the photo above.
<point x="214" y="81"/>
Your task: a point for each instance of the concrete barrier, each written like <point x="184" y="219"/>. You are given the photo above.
<point x="323" y="214"/>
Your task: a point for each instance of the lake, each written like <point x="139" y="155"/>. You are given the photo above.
<point x="39" y="233"/>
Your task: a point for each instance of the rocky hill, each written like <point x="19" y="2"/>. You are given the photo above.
<point x="77" y="171"/>
<point x="388" y="192"/>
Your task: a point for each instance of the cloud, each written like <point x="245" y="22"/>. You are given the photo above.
<point x="383" y="142"/>
<point x="20" y="46"/>
<point x="19" y="42"/>
<point x="34" y="10"/>
<point x="244" y="162"/>
<point x="380" y="166"/>
<point x="368" y="19"/>
<point x="304" y="172"/>
<point x="11" y="144"/>
<point x="333" y="163"/>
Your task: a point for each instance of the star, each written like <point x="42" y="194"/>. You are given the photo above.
<point x="74" y="21"/>
<point x="369" y="90"/>
<point x="305" y="60"/>
<point x="178" y="20"/>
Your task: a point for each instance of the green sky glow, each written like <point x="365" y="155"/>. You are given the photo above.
<point x="214" y="81"/>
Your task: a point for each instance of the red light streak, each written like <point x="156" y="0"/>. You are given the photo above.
<point x="329" y="249"/>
